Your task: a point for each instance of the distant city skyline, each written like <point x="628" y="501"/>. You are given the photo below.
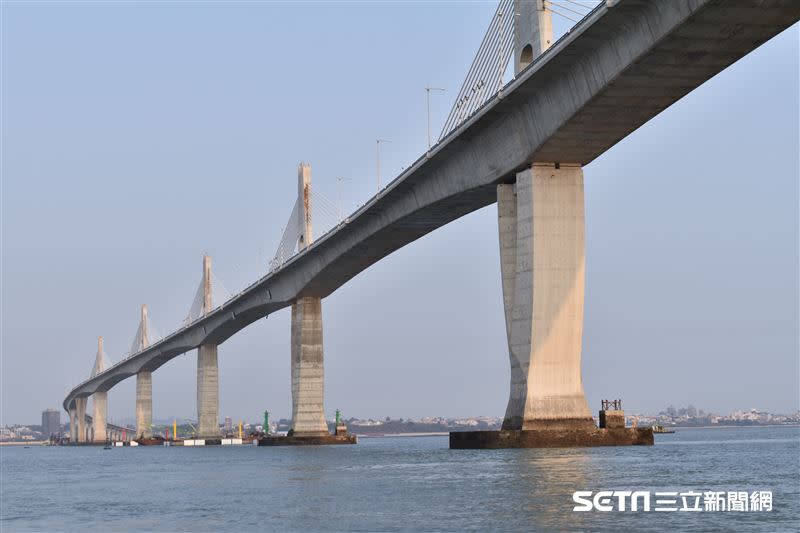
<point x="123" y="163"/>
<point x="699" y="411"/>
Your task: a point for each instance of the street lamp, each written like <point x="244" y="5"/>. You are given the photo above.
<point x="339" y="189"/>
<point x="378" y="152"/>
<point x="428" y="94"/>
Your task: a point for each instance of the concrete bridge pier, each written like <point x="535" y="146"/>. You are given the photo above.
<point x="100" y="398"/>
<point x="207" y="371"/>
<point x="541" y="223"/>
<point x="307" y="365"/>
<point x="73" y="426"/>
<point x="100" y="403"/>
<point x="207" y="391"/>
<point x="308" y="388"/>
<point x="541" y="230"/>
<point x="80" y="418"/>
<point x="541" y="227"/>
<point x="144" y="386"/>
<point x="144" y="404"/>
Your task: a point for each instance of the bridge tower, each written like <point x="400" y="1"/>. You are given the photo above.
<point x="144" y="385"/>
<point x="99" y="398"/>
<point x="533" y="31"/>
<point x="80" y="419"/>
<point x="207" y="370"/>
<point x="308" y="392"/>
<point x="541" y="229"/>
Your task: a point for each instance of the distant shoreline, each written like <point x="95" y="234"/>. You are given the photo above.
<point x="446" y="433"/>
<point x="405" y="434"/>
<point x="715" y="426"/>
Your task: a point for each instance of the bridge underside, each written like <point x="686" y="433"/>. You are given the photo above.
<point x="624" y="69"/>
<point x="712" y="38"/>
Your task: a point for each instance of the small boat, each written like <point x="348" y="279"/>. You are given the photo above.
<point x="658" y="428"/>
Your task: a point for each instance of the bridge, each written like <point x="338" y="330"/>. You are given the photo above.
<point x="523" y="145"/>
<point x="114" y="432"/>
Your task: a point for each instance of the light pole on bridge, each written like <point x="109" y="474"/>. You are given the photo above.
<point x="428" y="90"/>
<point x="339" y="191"/>
<point x="378" y="152"/>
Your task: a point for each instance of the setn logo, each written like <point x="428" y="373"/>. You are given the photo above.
<point x="605" y="500"/>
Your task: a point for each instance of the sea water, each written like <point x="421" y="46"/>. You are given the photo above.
<point x="409" y="483"/>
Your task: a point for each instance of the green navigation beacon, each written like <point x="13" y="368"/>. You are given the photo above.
<point x="266" y="422"/>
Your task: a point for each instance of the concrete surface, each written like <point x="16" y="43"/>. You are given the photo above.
<point x="207" y="370"/>
<point x="546" y="286"/>
<point x="99" y="416"/>
<point x="144" y="385"/>
<point x="207" y="391"/>
<point x="80" y="416"/>
<point x="73" y="424"/>
<point x="144" y="404"/>
<point x="544" y="438"/>
<point x="99" y="398"/>
<point x="533" y="32"/>
<point x="308" y="373"/>
<point x="612" y="418"/>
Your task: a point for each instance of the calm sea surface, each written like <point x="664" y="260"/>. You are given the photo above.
<point x="395" y="483"/>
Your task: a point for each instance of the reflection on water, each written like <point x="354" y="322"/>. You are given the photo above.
<point x="390" y="484"/>
<point x="547" y="479"/>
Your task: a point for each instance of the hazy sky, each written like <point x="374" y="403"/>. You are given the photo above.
<point x="135" y="137"/>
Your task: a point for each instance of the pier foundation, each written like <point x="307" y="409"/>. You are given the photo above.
<point x="541" y="230"/>
<point x="550" y="438"/>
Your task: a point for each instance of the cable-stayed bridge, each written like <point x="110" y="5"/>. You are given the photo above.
<point x="522" y="144"/>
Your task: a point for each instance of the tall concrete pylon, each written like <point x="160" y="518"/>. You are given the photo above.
<point x="207" y="370"/>
<point x="73" y="424"/>
<point x="144" y="386"/>
<point x="80" y="419"/>
<point x="308" y="384"/>
<point x="541" y="229"/>
<point x="100" y="398"/>
<point x="533" y="31"/>
<point x="304" y="203"/>
<point x="541" y="225"/>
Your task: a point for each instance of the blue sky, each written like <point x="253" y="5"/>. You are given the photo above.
<point x="136" y="137"/>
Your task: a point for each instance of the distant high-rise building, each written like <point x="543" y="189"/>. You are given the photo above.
<point x="228" y="424"/>
<point x="51" y="422"/>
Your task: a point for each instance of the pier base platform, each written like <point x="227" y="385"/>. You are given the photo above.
<point x="550" y="438"/>
<point x="274" y="440"/>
